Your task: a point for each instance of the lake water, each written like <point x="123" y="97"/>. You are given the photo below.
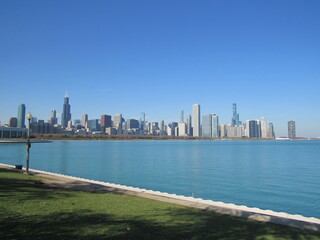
<point x="277" y="175"/>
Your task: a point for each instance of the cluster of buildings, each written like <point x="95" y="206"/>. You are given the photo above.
<point x="195" y="125"/>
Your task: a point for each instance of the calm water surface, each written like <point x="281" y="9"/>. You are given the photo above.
<point x="281" y="176"/>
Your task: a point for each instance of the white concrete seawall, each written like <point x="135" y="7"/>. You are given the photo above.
<point x="299" y="221"/>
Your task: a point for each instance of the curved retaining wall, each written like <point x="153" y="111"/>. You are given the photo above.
<point x="299" y="221"/>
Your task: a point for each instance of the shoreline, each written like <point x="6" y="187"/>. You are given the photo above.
<point x="70" y="182"/>
<point x="24" y="141"/>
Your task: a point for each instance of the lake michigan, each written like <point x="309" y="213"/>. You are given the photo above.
<point x="283" y="176"/>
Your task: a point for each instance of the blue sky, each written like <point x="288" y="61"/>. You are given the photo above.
<point x="159" y="57"/>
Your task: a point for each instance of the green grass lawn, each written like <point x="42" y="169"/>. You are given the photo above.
<point x="31" y="210"/>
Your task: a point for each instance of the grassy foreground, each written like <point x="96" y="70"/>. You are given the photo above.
<point x="32" y="210"/>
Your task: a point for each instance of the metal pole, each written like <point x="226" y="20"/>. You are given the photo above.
<point x="28" y="147"/>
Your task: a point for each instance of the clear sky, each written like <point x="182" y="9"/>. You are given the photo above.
<point x="159" y="57"/>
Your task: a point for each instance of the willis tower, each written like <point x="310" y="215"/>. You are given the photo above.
<point x="66" y="114"/>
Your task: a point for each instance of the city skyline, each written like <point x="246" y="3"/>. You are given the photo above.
<point x="161" y="58"/>
<point x="207" y="127"/>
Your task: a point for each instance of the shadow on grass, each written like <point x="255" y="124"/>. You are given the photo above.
<point x="11" y="185"/>
<point x="185" y="224"/>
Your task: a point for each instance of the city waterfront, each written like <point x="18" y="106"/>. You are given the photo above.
<point x="281" y="176"/>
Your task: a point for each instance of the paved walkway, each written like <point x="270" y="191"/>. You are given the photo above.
<point x="69" y="182"/>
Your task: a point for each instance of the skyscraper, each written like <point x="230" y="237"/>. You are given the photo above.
<point x="171" y="128"/>
<point x="132" y="123"/>
<point x="189" y="126"/>
<point x="254" y="128"/>
<point x="21" y="116"/>
<point x="182" y="130"/>
<point x="53" y="117"/>
<point x="270" y="131"/>
<point x="93" y="125"/>
<point x="117" y="121"/>
<point x="105" y="122"/>
<point x="84" y="120"/>
<point x="143" y="121"/>
<point x="66" y="114"/>
<point x="223" y="130"/>
<point x="291" y="129"/>
<point x="161" y="126"/>
<point x="182" y="116"/>
<point x="196" y="120"/>
<point x="215" y="126"/>
<point x="263" y="127"/>
<point x="206" y="125"/>
<point x="235" y="118"/>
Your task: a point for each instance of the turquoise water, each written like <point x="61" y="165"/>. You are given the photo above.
<point x="276" y="175"/>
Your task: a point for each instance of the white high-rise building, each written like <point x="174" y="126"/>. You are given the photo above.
<point x="169" y="130"/>
<point x="161" y="125"/>
<point x="117" y="121"/>
<point x="182" y="129"/>
<point x="69" y="125"/>
<point x="246" y="131"/>
<point x="84" y="120"/>
<point x="264" y="127"/>
<point x="196" y="120"/>
<point x="229" y="132"/>
<point x="223" y="130"/>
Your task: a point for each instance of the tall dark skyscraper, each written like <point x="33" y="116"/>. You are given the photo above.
<point x="291" y="129"/>
<point x="21" y="116"/>
<point x="66" y="114"/>
<point x="235" y="118"/>
<point x="105" y="122"/>
<point x="254" y="129"/>
<point x="132" y="123"/>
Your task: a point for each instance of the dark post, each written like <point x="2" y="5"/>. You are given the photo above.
<point x="29" y="116"/>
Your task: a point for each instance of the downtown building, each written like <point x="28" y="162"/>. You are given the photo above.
<point x="253" y="129"/>
<point x="105" y="122"/>
<point x="235" y="116"/>
<point x="207" y="125"/>
<point x="84" y="120"/>
<point x="270" y="133"/>
<point x="66" y="112"/>
<point x="196" y="120"/>
<point x="182" y="129"/>
<point x="13" y="122"/>
<point x="21" y="116"/>
<point x="53" y="117"/>
<point x="215" y="126"/>
<point x="291" y="129"/>
<point x="189" y="125"/>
